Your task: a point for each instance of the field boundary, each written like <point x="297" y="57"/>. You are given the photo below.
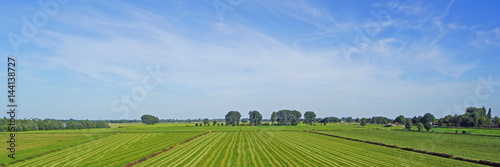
<point x="164" y="150"/>
<point x="482" y="162"/>
<point x="51" y="151"/>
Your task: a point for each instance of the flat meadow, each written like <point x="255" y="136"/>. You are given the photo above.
<point x="182" y="144"/>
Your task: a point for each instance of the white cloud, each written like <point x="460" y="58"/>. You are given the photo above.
<point x="233" y="64"/>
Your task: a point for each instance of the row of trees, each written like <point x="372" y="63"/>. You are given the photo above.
<point x="473" y="117"/>
<point x="282" y="117"/>
<point x="288" y="117"/>
<point x="50" y="124"/>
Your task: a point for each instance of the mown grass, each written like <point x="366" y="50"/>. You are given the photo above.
<point x="467" y="146"/>
<point x="32" y="144"/>
<point x="471" y="130"/>
<point x="249" y="145"/>
<point x="115" y="150"/>
<point x="289" y="148"/>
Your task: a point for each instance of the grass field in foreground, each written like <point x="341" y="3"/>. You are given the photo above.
<point x="467" y="146"/>
<point x="31" y="144"/>
<point x="115" y="150"/>
<point x="289" y="148"/>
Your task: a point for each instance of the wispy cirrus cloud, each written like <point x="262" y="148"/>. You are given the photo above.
<point x="264" y="55"/>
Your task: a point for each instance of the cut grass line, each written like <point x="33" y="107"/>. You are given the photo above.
<point x="217" y="151"/>
<point x="164" y="150"/>
<point x="204" y="151"/>
<point x="482" y="162"/>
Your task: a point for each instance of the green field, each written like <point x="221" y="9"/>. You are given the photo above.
<point x="246" y="146"/>
<point x="115" y="150"/>
<point x="32" y="144"/>
<point x="471" y="130"/>
<point x="470" y="146"/>
<point x="288" y="149"/>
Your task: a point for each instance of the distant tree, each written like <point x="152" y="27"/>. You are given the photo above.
<point x="149" y="119"/>
<point x="428" y="117"/>
<point x="214" y="122"/>
<point x="496" y="120"/>
<point x="420" y="126"/>
<point x="379" y="120"/>
<point x="288" y="117"/>
<point x="363" y="121"/>
<point x="244" y="121"/>
<point x="484" y="121"/>
<point x="428" y="126"/>
<point x="414" y="120"/>
<point x="356" y="120"/>
<point x="196" y="124"/>
<point x="408" y="125"/>
<point x="255" y="117"/>
<point x="489" y="114"/>
<point x="206" y="121"/>
<point x="274" y="117"/>
<point x="233" y="118"/>
<point x="441" y="122"/>
<point x="309" y="117"/>
<point x="400" y="119"/>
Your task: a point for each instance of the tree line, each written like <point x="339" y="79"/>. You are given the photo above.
<point x="51" y="124"/>
<point x="473" y="117"/>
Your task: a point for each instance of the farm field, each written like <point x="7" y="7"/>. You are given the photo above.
<point x="467" y="146"/>
<point x="288" y="148"/>
<point x="247" y="146"/>
<point x="471" y="130"/>
<point x="114" y="150"/>
<point x="32" y="144"/>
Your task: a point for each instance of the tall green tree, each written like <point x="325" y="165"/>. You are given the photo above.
<point x="496" y="120"/>
<point x="288" y="117"/>
<point x="408" y="125"/>
<point x="274" y="117"/>
<point x="206" y="121"/>
<point x="428" y="117"/>
<point x="489" y="113"/>
<point x="255" y="117"/>
<point x="149" y="119"/>
<point x="363" y="121"/>
<point x="309" y="117"/>
<point x="428" y="126"/>
<point x="400" y="119"/>
<point x="233" y="118"/>
<point x="420" y="126"/>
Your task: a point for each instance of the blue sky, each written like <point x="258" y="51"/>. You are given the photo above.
<point x="201" y="59"/>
